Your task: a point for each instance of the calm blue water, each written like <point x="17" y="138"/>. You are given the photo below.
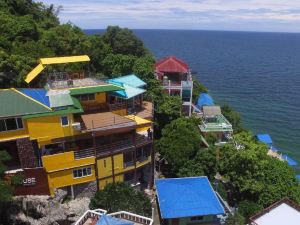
<point x="258" y="74"/>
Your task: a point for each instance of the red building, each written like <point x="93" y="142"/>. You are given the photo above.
<point x="176" y="79"/>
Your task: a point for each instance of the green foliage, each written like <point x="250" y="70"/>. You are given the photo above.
<point x="253" y="175"/>
<point x="197" y="89"/>
<point x="123" y="41"/>
<point x="121" y="197"/>
<point x="5" y="188"/>
<point x="249" y="208"/>
<point x="236" y="219"/>
<point x="179" y="143"/>
<point x="204" y="163"/>
<point x="233" y="117"/>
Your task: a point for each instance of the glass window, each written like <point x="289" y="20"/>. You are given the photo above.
<point x="2" y="125"/>
<point x="11" y="124"/>
<point x="20" y="123"/>
<point x="84" y="173"/>
<point x="75" y="174"/>
<point x="64" y="121"/>
<point x="91" y="97"/>
<point x="89" y="171"/>
<point x="196" y="218"/>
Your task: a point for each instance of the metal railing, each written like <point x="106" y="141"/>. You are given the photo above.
<point x="116" y="146"/>
<point x="132" y="217"/>
<point x="90" y="214"/>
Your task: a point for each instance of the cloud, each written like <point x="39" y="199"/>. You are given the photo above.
<point x="183" y="14"/>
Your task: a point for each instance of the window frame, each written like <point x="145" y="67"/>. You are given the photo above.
<point x="17" y="120"/>
<point x="79" y="173"/>
<point x="61" y="121"/>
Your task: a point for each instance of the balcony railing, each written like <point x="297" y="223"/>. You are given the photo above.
<point x="117" y="146"/>
<point x="128" y="164"/>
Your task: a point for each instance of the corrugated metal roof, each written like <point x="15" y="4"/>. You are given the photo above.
<point x="171" y="64"/>
<point x="211" y="111"/>
<point x="186" y="197"/>
<point x="131" y="80"/>
<point x="94" y="89"/>
<point x="129" y="92"/>
<point x="38" y="94"/>
<point x="60" y="100"/>
<point x="15" y="103"/>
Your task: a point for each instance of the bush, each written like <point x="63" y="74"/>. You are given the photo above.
<point x="121" y="197"/>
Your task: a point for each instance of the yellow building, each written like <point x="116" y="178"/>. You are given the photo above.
<point x="78" y="130"/>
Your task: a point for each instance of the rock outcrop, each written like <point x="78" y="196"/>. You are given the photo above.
<point x="44" y="210"/>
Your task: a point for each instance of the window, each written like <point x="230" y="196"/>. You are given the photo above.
<point x="11" y="124"/>
<point x="87" y="97"/>
<point x="64" y="121"/>
<point x="82" y="172"/>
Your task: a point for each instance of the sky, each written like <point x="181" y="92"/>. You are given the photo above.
<point x="239" y="15"/>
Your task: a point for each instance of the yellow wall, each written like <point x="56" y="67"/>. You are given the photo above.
<point x="100" y="98"/>
<point x="120" y="112"/>
<point x="14" y="134"/>
<point x="65" y="178"/>
<point x="104" y="182"/>
<point x="104" y="168"/>
<point x="44" y="129"/>
<point x="64" y="161"/>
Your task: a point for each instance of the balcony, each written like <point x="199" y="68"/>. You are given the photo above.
<point x="128" y="164"/>
<point x="217" y="124"/>
<point x="115" y="147"/>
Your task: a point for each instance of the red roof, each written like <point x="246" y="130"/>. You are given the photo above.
<point x="171" y="64"/>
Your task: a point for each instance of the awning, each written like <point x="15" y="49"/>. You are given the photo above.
<point x="289" y="160"/>
<point x="34" y="73"/>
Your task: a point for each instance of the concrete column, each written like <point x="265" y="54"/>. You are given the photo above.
<point x="72" y="192"/>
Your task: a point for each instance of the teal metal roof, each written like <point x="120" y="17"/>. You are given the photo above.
<point x="15" y="103"/>
<point x="128" y="92"/>
<point x="60" y="100"/>
<point x="131" y="80"/>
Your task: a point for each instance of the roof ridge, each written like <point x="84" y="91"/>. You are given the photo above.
<point x="32" y="99"/>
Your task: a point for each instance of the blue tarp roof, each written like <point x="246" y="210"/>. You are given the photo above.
<point x="186" y="197"/>
<point x="298" y="177"/>
<point x="204" y="99"/>
<point x="289" y="160"/>
<point x="37" y="94"/>
<point x="131" y="80"/>
<point x="109" y="220"/>
<point x="265" y="138"/>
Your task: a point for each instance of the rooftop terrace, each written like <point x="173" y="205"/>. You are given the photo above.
<point x="217" y="123"/>
<point x="99" y="217"/>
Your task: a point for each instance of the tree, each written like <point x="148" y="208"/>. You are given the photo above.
<point x="249" y="208"/>
<point x="233" y="117"/>
<point x="236" y="219"/>
<point x="123" y="41"/>
<point x="253" y="175"/>
<point x="179" y="143"/>
<point x="197" y="89"/>
<point x="121" y="197"/>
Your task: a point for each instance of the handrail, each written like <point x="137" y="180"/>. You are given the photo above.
<point x="132" y="217"/>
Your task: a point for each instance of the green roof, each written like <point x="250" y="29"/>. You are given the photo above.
<point x="14" y="103"/>
<point x="76" y="108"/>
<point x="94" y="89"/>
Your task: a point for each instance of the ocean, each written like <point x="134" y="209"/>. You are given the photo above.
<point x="258" y="74"/>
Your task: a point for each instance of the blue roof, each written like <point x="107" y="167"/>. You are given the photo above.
<point x="204" y="99"/>
<point x="109" y="220"/>
<point x="186" y="197"/>
<point x="265" y="138"/>
<point x="37" y="94"/>
<point x="289" y="160"/>
<point x="298" y="177"/>
<point x="131" y="80"/>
